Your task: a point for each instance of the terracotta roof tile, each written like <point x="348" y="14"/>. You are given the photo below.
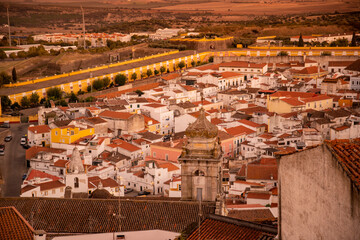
<point x="39" y="174"/>
<point x="239" y="130"/>
<point x="347" y="153"/>
<point x="13" y="226"/>
<point x="39" y="129"/>
<point x="219" y="227"/>
<point x="249" y="123"/>
<point x="243" y="64"/>
<point x="115" y="115"/>
<point x="50" y="185"/>
<point x="260" y="172"/>
<point x="31" y="152"/>
<point x="259" y="195"/>
<point x="61" y="215"/>
<point x="252" y="215"/>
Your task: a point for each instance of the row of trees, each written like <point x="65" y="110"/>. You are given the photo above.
<point x="6" y="78"/>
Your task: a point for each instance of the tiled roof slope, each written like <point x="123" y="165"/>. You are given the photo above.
<point x="347" y="152"/>
<point x="98" y="216"/>
<point x="252" y="215"/>
<point x="225" y="228"/>
<point x="13" y="226"/>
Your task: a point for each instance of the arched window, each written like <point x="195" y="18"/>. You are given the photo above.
<point x="76" y="182"/>
<point x="199" y="173"/>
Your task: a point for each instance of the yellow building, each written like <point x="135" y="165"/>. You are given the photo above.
<point x="286" y="102"/>
<point x="69" y="134"/>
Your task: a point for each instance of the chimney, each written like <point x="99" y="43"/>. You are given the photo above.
<point x="39" y="235"/>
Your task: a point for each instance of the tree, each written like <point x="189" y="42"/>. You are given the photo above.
<point x="211" y="59"/>
<point x="14" y="75"/>
<point x="21" y="54"/>
<point x="62" y="103"/>
<point x="24" y="102"/>
<point x="88" y="89"/>
<point x="139" y="92"/>
<point x="5" y="102"/>
<point x="181" y="65"/>
<point x="106" y="81"/>
<point x="34" y="99"/>
<point x="353" y="40"/>
<point x="4" y="78"/>
<point x="98" y="84"/>
<point x="73" y="98"/>
<point x="54" y="93"/>
<point x="120" y="79"/>
<point x="149" y="72"/>
<point x="2" y="54"/>
<point x="90" y="99"/>
<point x="156" y="72"/>
<point x="134" y="76"/>
<point x="13" y="56"/>
<point x="15" y="105"/>
<point x="193" y="63"/>
<point x="301" y="41"/>
<point x="283" y="53"/>
<point x="162" y="69"/>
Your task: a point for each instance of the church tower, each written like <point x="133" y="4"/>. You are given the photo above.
<point x="201" y="162"/>
<point x="76" y="178"/>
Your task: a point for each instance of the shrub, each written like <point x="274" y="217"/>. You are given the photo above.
<point x="162" y="69"/>
<point x="156" y="72"/>
<point x="181" y="65"/>
<point x="134" y="76"/>
<point x="106" y="81"/>
<point x="34" y="98"/>
<point x="149" y="72"/>
<point x="211" y="59"/>
<point x="98" y="84"/>
<point x="120" y="79"/>
<point x="5" y="102"/>
<point x="25" y="102"/>
<point x="54" y="93"/>
<point x="73" y="98"/>
<point x="283" y="53"/>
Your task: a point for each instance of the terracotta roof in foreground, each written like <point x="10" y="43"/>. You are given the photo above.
<point x="347" y="153"/>
<point x="13" y="226"/>
<point x="59" y="215"/>
<point x="252" y="215"/>
<point x="219" y="227"/>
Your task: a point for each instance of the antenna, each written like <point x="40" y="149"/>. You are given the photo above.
<point x="83" y="27"/>
<point x="8" y="18"/>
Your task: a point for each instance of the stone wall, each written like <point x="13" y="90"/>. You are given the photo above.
<point x="215" y="45"/>
<point x="317" y="200"/>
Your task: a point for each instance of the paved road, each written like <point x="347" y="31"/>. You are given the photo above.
<point x="13" y="163"/>
<point x="45" y="84"/>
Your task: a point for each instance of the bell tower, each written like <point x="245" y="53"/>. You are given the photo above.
<point x="76" y="177"/>
<point x="201" y="161"/>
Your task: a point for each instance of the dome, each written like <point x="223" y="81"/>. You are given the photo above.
<point x="76" y="165"/>
<point x="201" y="128"/>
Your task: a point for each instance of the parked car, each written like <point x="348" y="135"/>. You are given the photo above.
<point x="142" y="193"/>
<point x="23" y="140"/>
<point x="8" y="138"/>
<point x="5" y="125"/>
<point x="26" y="146"/>
<point x="127" y="190"/>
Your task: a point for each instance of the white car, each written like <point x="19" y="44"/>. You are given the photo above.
<point x="23" y="141"/>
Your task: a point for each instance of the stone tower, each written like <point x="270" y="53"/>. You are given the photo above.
<point x="76" y="178"/>
<point x="201" y="161"/>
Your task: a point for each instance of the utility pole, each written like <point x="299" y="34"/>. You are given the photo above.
<point x="83" y="27"/>
<point x="8" y="18"/>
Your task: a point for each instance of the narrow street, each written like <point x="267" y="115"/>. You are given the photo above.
<point x="13" y="164"/>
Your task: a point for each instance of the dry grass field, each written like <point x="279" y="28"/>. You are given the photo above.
<point x="231" y="8"/>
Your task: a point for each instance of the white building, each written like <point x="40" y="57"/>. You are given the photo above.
<point x="39" y="135"/>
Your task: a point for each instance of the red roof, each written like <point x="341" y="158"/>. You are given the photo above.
<point x="292" y="94"/>
<point x="258" y="195"/>
<point x="38" y="174"/>
<point x="155" y="105"/>
<point x="293" y="101"/>
<point x="317" y="98"/>
<point x="249" y="123"/>
<point x="239" y="130"/>
<point x="171" y="76"/>
<point x="50" y="185"/>
<point x="39" y="129"/>
<point x="115" y="115"/>
<point x="125" y="145"/>
<point x="209" y="67"/>
<point x="141" y="88"/>
<point x="60" y="163"/>
<point x="347" y="153"/>
<point x="310" y="70"/>
<point x="31" y="152"/>
<point x="230" y="74"/>
<point x="261" y="172"/>
<point x="14" y="226"/>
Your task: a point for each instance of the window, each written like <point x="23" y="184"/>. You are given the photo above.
<point x="166" y="157"/>
<point x="128" y="184"/>
<point x="199" y="173"/>
<point x="53" y="191"/>
<point x="154" y="154"/>
<point x="56" y="133"/>
<point x="46" y="193"/>
<point x="76" y="182"/>
<point x="134" y="185"/>
<point x="43" y="135"/>
<point x="179" y="186"/>
<point x="61" y="189"/>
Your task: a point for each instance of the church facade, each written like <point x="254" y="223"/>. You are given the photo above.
<point x="201" y="162"/>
